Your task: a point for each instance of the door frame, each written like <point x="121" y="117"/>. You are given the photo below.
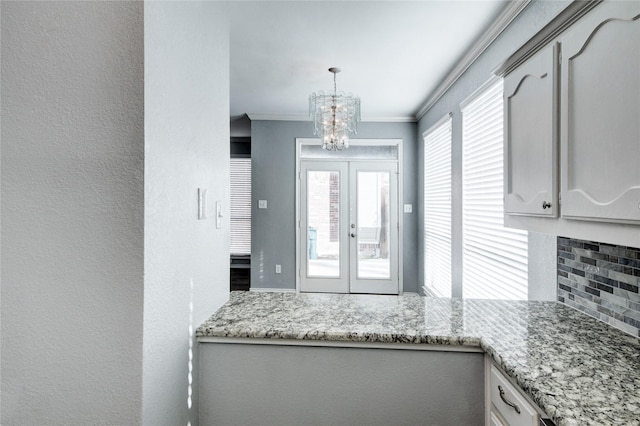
<point x="300" y="142"/>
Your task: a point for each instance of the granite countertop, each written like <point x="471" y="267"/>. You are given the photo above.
<point x="580" y="371"/>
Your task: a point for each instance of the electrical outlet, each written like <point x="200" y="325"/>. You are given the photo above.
<point x="278" y="269"/>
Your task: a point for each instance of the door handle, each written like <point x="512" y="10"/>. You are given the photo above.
<point x="506" y="401"/>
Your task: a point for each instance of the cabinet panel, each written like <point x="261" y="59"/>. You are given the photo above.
<point x="496" y="420"/>
<point x="263" y="384"/>
<point x="512" y="407"/>
<point x="531" y="136"/>
<point x="600" y="122"/>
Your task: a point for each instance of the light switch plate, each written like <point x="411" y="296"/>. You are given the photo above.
<point x="408" y="208"/>
<point x="262" y="204"/>
<point x="218" y="214"/>
<point x="202" y="203"/>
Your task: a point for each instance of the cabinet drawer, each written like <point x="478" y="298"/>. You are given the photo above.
<point x="522" y="413"/>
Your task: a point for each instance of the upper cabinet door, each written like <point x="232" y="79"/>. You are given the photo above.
<point x="600" y="115"/>
<point x="531" y="136"/>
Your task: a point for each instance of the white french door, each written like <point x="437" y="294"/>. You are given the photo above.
<point x="348" y="226"/>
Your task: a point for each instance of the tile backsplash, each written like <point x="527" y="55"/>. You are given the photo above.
<point x="601" y="280"/>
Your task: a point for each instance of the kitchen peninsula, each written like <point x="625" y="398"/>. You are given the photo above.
<point x="578" y="370"/>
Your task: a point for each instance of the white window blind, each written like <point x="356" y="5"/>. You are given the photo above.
<point x="240" y="206"/>
<point x="494" y="258"/>
<point x="437" y="208"/>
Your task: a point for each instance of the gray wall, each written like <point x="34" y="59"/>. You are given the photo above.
<point x="72" y="212"/>
<point x="530" y="21"/>
<point x="186" y="148"/>
<point x="292" y="385"/>
<point x="273" y="179"/>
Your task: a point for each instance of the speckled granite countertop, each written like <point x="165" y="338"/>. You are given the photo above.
<point x="578" y="370"/>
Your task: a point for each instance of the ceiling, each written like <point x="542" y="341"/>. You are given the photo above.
<point x="393" y="54"/>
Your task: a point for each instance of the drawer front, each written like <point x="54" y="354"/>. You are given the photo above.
<point x="503" y="394"/>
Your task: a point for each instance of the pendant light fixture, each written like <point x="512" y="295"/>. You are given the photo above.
<point x="335" y="116"/>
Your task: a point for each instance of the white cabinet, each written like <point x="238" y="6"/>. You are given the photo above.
<point x="600" y="115"/>
<point x="494" y="420"/>
<point x="531" y="136"/>
<point x="572" y="125"/>
<point x="506" y="404"/>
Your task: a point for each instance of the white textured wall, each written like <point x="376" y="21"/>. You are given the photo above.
<point x="72" y="212"/>
<point x="543" y="267"/>
<point x="186" y="147"/>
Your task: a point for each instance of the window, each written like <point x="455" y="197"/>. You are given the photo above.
<point x="494" y="258"/>
<point x="240" y="206"/>
<point x="437" y="208"/>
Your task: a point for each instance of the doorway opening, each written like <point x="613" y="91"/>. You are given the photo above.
<point x="348" y="239"/>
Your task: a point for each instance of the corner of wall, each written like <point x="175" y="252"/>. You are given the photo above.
<point x="186" y="148"/>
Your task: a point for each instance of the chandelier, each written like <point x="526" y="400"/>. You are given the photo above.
<point x="334" y="116"/>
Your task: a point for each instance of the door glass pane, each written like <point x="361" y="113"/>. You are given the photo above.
<point x="373" y="225"/>
<point x="323" y="217"/>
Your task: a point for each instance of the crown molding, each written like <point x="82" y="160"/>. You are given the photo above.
<point x="510" y="12"/>
<point x="564" y="20"/>
<point x="395" y="119"/>
<point x="278" y="117"/>
<point x="304" y="117"/>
